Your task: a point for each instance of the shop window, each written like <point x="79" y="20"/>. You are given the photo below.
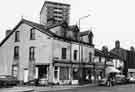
<point x="75" y="54"/>
<point x="64" y="73"/>
<point x="75" y="73"/>
<point x="32" y="34"/>
<point x="32" y="53"/>
<point x="43" y="71"/>
<point x="56" y="72"/>
<point x="16" y="52"/>
<point x="64" y="53"/>
<point x="17" y="34"/>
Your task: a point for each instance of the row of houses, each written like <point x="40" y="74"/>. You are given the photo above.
<point x="55" y="52"/>
<point x="58" y="52"/>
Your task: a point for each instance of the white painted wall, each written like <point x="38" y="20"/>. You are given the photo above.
<point x="42" y="53"/>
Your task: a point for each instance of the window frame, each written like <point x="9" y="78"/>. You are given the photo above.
<point x="64" y="53"/>
<point x="16" y="52"/>
<point x="32" y="53"/>
<point x="75" y="54"/>
<point x="17" y="36"/>
<point x="32" y="34"/>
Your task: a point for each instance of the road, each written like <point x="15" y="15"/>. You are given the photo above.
<point x="118" y="88"/>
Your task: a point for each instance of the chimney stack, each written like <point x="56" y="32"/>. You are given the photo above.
<point x="132" y="48"/>
<point x="117" y="44"/>
<point x="7" y="32"/>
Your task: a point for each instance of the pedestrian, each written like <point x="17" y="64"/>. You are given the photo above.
<point x="109" y="81"/>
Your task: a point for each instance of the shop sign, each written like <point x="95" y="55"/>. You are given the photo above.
<point x="61" y="64"/>
<point x="89" y="66"/>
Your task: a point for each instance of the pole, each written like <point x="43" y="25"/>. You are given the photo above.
<point x="80" y="51"/>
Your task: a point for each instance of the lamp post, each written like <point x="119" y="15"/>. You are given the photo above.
<point x="80" y="29"/>
<point x="83" y="18"/>
<point x="80" y="53"/>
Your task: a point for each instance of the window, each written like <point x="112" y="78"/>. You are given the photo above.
<point x="14" y="70"/>
<point x="99" y="59"/>
<point x="32" y="34"/>
<point x="16" y="52"/>
<point x="17" y="34"/>
<point x="75" y="54"/>
<point x="56" y="72"/>
<point x="64" y="50"/>
<point x="64" y="73"/>
<point x="32" y="53"/>
<point x="90" y="57"/>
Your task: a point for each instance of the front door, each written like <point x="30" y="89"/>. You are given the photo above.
<point x="43" y="71"/>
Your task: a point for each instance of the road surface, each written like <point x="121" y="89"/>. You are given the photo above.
<point x="118" y="88"/>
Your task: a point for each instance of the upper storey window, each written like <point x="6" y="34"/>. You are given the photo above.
<point x="64" y="51"/>
<point x="17" y="36"/>
<point x="32" y="34"/>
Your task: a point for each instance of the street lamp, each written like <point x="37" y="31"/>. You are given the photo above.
<point x="80" y="55"/>
<point x="80" y="29"/>
<point x="83" y="18"/>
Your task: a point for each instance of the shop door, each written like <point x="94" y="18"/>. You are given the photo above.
<point x="43" y="71"/>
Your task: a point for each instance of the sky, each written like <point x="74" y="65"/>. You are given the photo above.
<point x="110" y="20"/>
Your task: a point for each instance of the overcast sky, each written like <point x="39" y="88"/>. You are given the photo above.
<point x="110" y="19"/>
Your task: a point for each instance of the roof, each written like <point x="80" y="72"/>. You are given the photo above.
<point x="43" y="29"/>
<point x="40" y="27"/>
<point x="107" y="54"/>
<point x="84" y="33"/>
<point x="99" y="53"/>
<point x="89" y="33"/>
<point x="74" y="28"/>
<point x="121" y="52"/>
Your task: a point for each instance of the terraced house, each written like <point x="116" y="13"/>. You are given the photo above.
<point x="59" y="52"/>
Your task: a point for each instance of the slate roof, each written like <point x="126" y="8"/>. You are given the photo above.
<point x="40" y="27"/>
<point x="84" y="33"/>
<point x="107" y="55"/>
<point x="43" y="29"/>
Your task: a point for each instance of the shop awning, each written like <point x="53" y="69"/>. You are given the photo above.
<point x="131" y="70"/>
<point x="112" y="70"/>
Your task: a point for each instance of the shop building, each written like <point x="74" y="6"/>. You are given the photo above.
<point x="55" y="52"/>
<point x="131" y="62"/>
<point x="121" y="64"/>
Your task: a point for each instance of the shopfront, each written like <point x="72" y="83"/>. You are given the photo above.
<point x="99" y="71"/>
<point x="72" y="73"/>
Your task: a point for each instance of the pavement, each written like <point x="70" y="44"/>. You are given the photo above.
<point x="43" y="88"/>
<point x="116" y="88"/>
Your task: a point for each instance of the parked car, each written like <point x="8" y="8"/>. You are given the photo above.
<point x="7" y="80"/>
<point x="32" y="82"/>
<point x="120" y="79"/>
<point x="102" y="82"/>
<point x="43" y="81"/>
<point x="131" y="80"/>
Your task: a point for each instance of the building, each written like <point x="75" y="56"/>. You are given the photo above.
<point x="55" y="11"/>
<point x="122" y="53"/>
<point x="131" y="62"/>
<point x="100" y="63"/>
<point x="105" y="60"/>
<point x="55" y="52"/>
